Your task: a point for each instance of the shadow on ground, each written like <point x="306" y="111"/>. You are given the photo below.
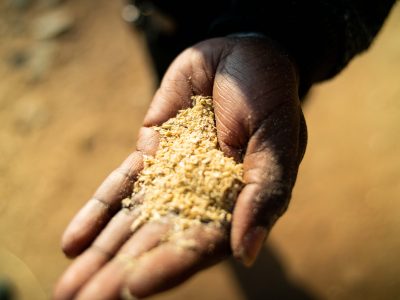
<point x="267" y="279"/>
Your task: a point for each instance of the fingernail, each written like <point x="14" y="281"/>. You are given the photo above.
<point x="252" y="244"/>
<point x="127" y="295"/>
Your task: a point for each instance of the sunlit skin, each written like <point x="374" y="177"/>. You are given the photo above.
<point x="259" y="121"/>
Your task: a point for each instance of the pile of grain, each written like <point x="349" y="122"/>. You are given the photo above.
<point x="189" y="179"/>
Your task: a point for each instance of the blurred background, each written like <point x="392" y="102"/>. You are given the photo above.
<point x="75" y="82"/>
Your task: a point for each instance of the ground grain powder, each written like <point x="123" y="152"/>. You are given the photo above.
<point x="189" y="179"/>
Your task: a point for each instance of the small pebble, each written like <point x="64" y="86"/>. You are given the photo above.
<point x="53" y="24"/>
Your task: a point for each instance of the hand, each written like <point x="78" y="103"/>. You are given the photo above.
<point x="259" y="120"/>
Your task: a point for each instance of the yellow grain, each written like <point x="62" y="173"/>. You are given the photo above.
<point x="189" y="179"/>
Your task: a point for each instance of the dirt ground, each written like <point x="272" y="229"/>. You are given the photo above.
<point x="70" y="108"/>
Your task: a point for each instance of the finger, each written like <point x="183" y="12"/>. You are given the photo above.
<point x="92" y="218"/>
<point x="148" y="141"/>
<point x="101" y="251"/>
<point x="145" y="238"/>
<point x="161" y="268"/>
<point x="270" y="169"/>
<point x="108" y="281"/>
<point x="78" y="273"/>
<point x="175" y="261"/>
<point x="191" y="73"/>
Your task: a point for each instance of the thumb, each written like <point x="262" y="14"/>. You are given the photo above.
<point x="270" y="168"/>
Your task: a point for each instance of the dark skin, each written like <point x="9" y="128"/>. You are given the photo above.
<point x="259" y="121"/>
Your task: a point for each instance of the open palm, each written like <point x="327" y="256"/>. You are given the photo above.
<point x="259" y="121"/>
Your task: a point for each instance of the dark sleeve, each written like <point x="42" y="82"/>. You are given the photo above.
<point x="322" y="35"/>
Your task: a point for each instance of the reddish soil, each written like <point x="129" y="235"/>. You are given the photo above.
<point x="70" y="109"/>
